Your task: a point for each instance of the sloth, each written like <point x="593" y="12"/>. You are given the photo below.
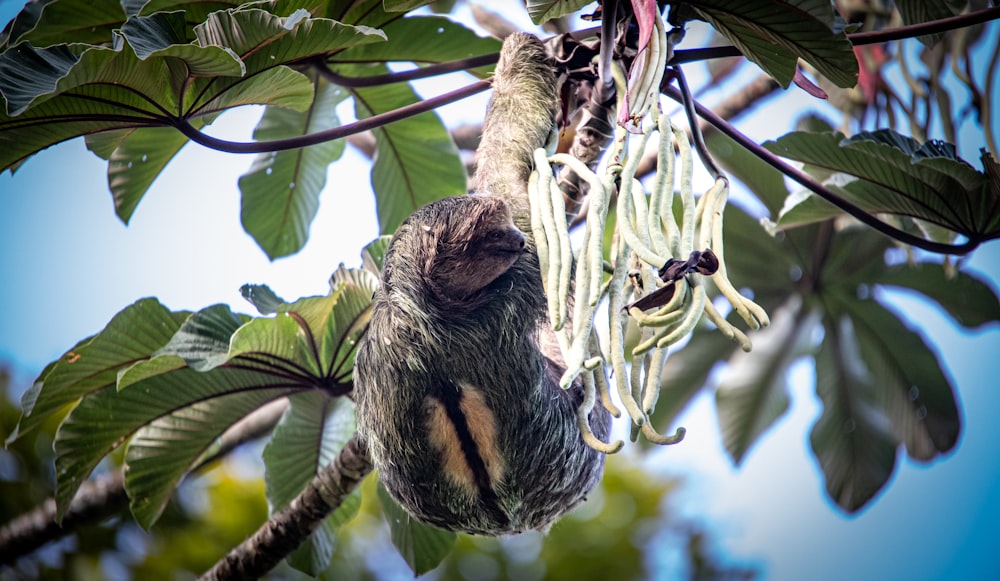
<point x="457" y="378"/>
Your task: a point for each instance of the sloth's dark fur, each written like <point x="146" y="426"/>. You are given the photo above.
<point x="457" y="380"/>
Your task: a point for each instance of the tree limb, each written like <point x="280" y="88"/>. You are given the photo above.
<point x="293" y="524"/>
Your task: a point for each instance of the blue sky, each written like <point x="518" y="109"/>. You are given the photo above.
<point x="68" y="264"/>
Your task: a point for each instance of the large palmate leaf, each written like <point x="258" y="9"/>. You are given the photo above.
<point x="775" y="33"/>
<point x="852" y="440"/>
<point x="897" y="175"/>
<point x="422" y="546"/>
<point x="132" y="335"/>
<point x="311" y="433"/>
<point x="281" y="190"/>
<point x="416" y="160"/>
<point x="106" y="418"/>
<point x="239" y="58"/>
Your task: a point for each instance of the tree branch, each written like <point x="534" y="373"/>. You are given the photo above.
<point x="818" y="188"/>
<point x="290" y="526"/>
<point x="104" y="496"/>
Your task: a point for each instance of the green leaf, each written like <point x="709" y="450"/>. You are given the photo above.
<point x="416" y="161"/>
<point x="132" y="335"/>
<point x="70" y="22"/>
<point x="916" y="393"/>
<point x="167" y="448"/>
<point x="422" y="546"/>
<point x="373" y="255"/>
<point x="899" y="176"/>
<point x="773" y="33"/>
<point x="262" y="297"/>
<point x="852" y="440"/>
<point x="348" y="322"/>
<point x="803" y="208"/>
<point x="422" y="39"/>
<point x="278" y="343"/>
<point x="971" y="301"/>
<point x="542" y="11"/>
<point x="279" y="86"/>
<point x="311" y="433"/>
<point x="137" y="161"/>
<point x="165" y="34"/>
<point x="106" y="418"/>
<point x="264" y="40"/>
<point x="752" y="393"/>
<point x="203" y="340"/>
<point x="281" y="190"/>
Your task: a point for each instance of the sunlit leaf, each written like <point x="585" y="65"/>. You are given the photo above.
<point x="164" y="450"/>
<point x="421" y="546"/>
<point x="203" y="340"/>
<point x="262" y="297"/>
<point x="104" y="419"/>
<point x="281" y="190"/>
<point x="348" y="322"/>
<point x="422" y="39"/>
<point x="132" y="335"/>
<point x="852" y="440"/>
<point x="373" y="255"/>
<point x="138" y="160"/>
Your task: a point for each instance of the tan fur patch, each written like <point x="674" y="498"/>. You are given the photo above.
<point x="444" y="438"/>
<point x="483" y="427"/>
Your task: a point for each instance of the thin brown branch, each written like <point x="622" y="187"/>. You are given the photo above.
<point x="292" y="525"/>
<point x="105" y="496"/>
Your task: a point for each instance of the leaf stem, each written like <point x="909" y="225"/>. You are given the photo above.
<point x="323" y="67"/>
<point x="372" y="122"/>
<point x="820" y="190"/>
